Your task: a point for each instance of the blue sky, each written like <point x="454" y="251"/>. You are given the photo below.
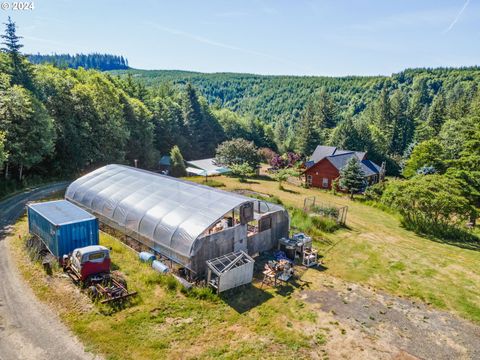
<point x="297" y="37"/>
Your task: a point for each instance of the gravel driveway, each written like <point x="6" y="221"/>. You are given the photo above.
<point x="28" y="328"/>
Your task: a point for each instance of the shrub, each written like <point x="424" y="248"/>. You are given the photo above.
<point x="375" y="192"/>
<point x="311" y="224"/>
<point x="266" y="154"/>
<point x="214" y="183"/>
<point x="327" y="211"/>
<point x="237" y="152"/>
<point x="178" y="164"/>
<point x="430" y="204"/>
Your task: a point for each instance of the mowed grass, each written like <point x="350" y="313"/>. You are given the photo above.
<point x="377" y="251"/>
<point x="164" y="321"/>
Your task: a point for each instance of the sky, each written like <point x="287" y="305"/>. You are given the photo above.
<point x="281" y="37"/>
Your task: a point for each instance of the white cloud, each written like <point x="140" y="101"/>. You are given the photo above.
<point x="459" y="14"/>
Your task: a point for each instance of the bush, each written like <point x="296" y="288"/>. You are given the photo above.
<point x="430" y="204"/>
<point x="237" y="152"/>
<point x="266" y="154"/>
<point x="327" y="211"/>
<point x="375" y="192"/>
<point x="214" y="183"/>
<point x="201" y="293"/>
<point x="312" y="225"/>
<point x="178" y="164"/>
<point x="171" y="282"/>
<point x="325" y="224"/>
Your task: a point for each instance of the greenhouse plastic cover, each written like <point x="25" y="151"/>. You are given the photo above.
<point x="169" y="211"/>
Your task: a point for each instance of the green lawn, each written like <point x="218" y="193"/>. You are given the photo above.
<point x="166" y="322"/>
<point x="376" y="250"/>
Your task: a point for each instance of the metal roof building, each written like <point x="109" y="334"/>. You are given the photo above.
<point x="206" y="167"/>
<point x="187" y="222"/>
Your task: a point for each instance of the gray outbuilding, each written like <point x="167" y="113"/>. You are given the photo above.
<point x="185" y="222"/>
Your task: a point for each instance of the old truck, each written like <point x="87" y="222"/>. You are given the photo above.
<point x="89" y="267"/>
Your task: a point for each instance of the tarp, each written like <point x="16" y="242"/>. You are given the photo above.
<point x="169" y="211"/>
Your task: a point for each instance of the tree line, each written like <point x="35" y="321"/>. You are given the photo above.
<point x="57" y="121"/>
<point x="96" y="61"/>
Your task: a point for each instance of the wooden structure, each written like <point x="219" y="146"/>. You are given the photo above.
<point x="276" y="271"/>
<point x="230" y="271"/>
<point x="323" y="169"/>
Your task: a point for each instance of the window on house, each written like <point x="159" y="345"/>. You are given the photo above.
<point x="309" y="179"/>
<point x="325" y="182"/>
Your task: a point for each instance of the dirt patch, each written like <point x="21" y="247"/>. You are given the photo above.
<point x="378" y="325"/>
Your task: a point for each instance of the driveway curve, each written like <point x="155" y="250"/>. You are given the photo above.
<point x="28" y="328"/>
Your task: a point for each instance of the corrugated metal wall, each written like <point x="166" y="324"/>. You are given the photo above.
<point x="63" y="239"/>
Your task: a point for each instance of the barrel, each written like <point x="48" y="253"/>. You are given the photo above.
<point x="290" y="251"/>
<point x="146" y="256"/>
<point x="160" y="266"/>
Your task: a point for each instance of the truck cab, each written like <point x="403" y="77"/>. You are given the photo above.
<point x="90" y="260"/>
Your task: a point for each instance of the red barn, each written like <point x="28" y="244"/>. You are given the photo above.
<point x="326" y="162"/>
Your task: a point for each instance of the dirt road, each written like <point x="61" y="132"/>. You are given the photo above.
<point x="374" y="325"/>
<point x="28" y="328"/>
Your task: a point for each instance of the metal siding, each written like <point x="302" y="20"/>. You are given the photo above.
<point x="62" y="239"/>
<point x="41" y="227"/>
<point x="76" y="235"/>
<point x="236" y="277"/>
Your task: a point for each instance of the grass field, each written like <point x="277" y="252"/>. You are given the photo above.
<point x="165" y="321"/>
<point x="376" y="250"/>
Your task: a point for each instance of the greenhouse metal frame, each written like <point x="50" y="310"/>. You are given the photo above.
<point x="172" y="216"/>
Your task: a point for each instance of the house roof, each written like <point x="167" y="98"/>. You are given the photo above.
<point x="165" y="161"/>
<point x="339" y="161"/>
<point x="206" y="167"/>
<point x="322" y="151"/>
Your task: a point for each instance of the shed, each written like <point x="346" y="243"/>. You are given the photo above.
<point x="184" y="221"/>
<point x="62" y="226"/>
<point x="206" y="167"/>
<point x="230" y="271"/>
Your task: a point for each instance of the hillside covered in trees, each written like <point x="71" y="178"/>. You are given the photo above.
<point x="101" y="62"/>
<point x="382" y="115"/>
<point x="57" y="122"/>
<point x="63" y="121"/>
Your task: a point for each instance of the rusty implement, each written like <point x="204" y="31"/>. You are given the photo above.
<point x="105" y="287"/>
<point x="113" y="291"/>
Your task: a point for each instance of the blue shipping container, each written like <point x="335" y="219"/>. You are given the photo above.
<point x="62" y="226"/>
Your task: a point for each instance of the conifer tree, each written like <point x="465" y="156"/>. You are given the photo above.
<point x="352" y="177"/>
<point x="437" y="113"/>
<point x="19" y="68"/>
<point x="308" y="136"/>
<point x="177" y="163"/>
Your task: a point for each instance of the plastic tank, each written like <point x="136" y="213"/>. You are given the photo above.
<point x="145" y="256"/>
<point x="160" y="267"/>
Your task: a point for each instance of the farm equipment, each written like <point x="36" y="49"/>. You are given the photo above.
<point x="90" y="268"/>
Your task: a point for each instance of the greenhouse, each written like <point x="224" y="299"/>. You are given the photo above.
<point x="185" y="222"/>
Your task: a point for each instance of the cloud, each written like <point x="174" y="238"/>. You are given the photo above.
<point x="459" y="14"/>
